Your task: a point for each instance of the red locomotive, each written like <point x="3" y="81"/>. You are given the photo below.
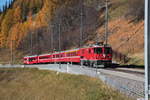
<point x="92" y="56"/>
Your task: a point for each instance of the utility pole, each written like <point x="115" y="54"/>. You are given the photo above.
<point x="81" y="25"/>
<point x="51" y="38"/>
<point x="59" y="37"/>
<point x="59" y="44"/>
<point x="31" y="39"/>
<point x="147" y="49"/>
<point x="106" y="23"/>
<point x="49" y="32"/>
<point x="11" y="52"/>
<point x="52" y="47"/>
<point x="38" y="42"/>
<point x="31" y="43"/>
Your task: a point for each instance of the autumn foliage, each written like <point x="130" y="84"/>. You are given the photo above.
<point x="23" y="17"/>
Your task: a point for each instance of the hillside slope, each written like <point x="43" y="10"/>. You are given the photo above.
<point x="126" y="37"/>
<point x="126" y="29"/>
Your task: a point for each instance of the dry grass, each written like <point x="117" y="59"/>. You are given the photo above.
<point x="5" y="56"/>
<point x="32" y="84"/>
<point x="130" y="36"/>
<point x="137" y="59"/>
<point x="126" y="37"/>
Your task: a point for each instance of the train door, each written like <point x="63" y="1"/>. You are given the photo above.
<point x="92" y="54"/>
<point x="89" y="53"/>
<point x="82" y="54"/>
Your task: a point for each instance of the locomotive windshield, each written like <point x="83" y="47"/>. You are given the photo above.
<point x="31" y="59"/>
<point x="98" y="50"/>
<point x="107" y="50"/>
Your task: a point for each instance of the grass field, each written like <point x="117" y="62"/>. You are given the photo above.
<point x="33" y="84"/>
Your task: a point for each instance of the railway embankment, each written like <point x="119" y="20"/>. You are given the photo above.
<point x="34" y="84"/>
<point x="130" y="84"/>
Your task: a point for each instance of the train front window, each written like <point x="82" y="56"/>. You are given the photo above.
<point x="107" y="50"/>
<point x="31" y="59"/>
<point x="98" y="50"/>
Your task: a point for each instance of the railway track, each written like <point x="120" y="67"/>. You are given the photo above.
<point x="127" y="70"/>
<point x="127" y="80"/>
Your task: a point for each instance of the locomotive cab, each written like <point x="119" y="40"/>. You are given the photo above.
<point x="103" y="55"/>
<point x="96" y="56"/>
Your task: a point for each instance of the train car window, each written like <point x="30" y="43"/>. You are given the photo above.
<point x="31" y="59"/>
<point x="82" y="51"/>
<point x="75" y="54"/>
<point x="44" y="57"/>
<point x="67" y="54"/>
<point x="57" y="56"/>
<point x="98" y="50"/>
<point x="89" y="50"/>
<point x="107" y="50"/>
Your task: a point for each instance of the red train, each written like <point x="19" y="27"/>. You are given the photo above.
<point x="93" y="56"/>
